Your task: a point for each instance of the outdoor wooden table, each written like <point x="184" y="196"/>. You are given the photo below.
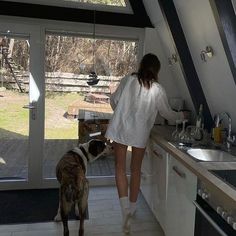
<point x="97" y="98"/>
<point x="92" y="124"/>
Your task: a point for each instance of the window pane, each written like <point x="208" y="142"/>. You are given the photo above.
<point x="120" y="3"/>
<point x="76" y="111"/>
<point x="14" y="119"/>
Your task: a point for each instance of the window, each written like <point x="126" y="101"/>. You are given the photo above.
<point x="120" y="3"/>
<point x="103" y="5"/>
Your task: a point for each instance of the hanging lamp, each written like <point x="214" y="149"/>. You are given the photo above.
<point x="93" y="78"/>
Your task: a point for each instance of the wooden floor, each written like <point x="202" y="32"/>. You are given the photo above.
<point x="14" y="159"/>
<point x="104" y="219"/>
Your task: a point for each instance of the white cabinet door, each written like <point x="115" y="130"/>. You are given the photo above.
<point x="182" y="187"/>
<point x="159" y="180"/>
<point x="146" y="177"/>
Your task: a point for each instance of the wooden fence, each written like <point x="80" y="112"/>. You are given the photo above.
<point x="66" y="82"/>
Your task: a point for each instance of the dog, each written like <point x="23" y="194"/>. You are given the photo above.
<point x="74" y="186"/>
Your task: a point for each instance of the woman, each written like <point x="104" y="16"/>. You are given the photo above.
<point x="136" y="103"/>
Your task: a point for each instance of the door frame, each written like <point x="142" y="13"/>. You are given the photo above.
<point x="36" y="89"/>
<point x="37" y="30"/>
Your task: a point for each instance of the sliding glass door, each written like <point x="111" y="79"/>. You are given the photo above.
<point x="75" y="110"/>
<point x="48" y="106"/>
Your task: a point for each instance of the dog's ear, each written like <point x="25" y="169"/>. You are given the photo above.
<point x="96" y="147"/>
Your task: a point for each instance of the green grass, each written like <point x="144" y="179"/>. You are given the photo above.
<point x="14" y="120"/>
<point x="71" y="133"/>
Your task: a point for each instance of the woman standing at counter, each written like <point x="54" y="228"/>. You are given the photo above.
<point x="136" y="102"/>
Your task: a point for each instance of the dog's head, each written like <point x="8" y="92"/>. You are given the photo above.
<point x="96" y="148"/>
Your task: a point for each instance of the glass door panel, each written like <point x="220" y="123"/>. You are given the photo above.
<point x="14" y="119"/>
<point x="75" y="109"/>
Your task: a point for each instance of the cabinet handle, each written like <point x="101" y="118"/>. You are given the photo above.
<point x="178" y="172"/>
<point x="157" y="154"/>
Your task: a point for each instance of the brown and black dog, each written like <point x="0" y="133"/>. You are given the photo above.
<point x="74" y="186"/>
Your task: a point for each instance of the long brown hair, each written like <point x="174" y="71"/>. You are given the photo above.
<point x="148" y="70"/>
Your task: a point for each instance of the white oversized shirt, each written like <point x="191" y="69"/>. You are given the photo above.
<point x="135" y="110"/>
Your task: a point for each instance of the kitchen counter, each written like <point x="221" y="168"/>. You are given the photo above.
<point x="162" y="134"/>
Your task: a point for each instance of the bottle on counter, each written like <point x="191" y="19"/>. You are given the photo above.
<point x="199" y="124"/>
<point x="217" y="130"/>
<point x="200" y="118"/>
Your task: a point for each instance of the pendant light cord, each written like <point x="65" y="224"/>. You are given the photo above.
<point x="94" y="21"/>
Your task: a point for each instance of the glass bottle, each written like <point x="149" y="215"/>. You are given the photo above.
<point x="199" y="118"/>
<point x="199" y="125"/>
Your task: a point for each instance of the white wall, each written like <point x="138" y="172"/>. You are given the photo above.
<point x="200" y="30"/>
<point x="159" y="41"/>
<point x="153" y="45"/>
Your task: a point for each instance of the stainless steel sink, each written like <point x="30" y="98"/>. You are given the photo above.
<point x="210" y="155"/>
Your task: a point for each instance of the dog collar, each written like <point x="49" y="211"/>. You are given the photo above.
<point x="84" y="152"/>
<point x="82" y="156"/>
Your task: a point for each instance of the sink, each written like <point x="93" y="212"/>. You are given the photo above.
<point x="210" y="155"/>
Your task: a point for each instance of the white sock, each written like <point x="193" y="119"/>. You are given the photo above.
<point x="124" y="203"/>
<point x="133" y="207"/>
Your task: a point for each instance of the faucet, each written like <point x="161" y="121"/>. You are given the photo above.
<point x="230" y="138"/>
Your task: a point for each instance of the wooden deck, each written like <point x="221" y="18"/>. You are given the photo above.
<point x="14" y="153"/>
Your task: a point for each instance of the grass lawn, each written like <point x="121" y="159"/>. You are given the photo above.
<point x="14" y="120"/>
<point x="57" y="126"/>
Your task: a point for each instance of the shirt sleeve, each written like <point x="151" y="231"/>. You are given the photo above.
<point x="164" y="108"/>
<point x="115" y="97"/>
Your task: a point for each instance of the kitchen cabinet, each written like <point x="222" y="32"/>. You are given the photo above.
<point x="181" y="191"/>
<point x="154" y="180"/>
<point x="146" y="175"/>
<point x="160" y="161"/>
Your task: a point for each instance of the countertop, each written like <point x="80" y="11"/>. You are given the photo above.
<point x="161" y="135"/>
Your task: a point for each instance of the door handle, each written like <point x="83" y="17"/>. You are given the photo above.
<point x="33" y="108"/>
<point x="157" y="154"/>
<point x="178" y="172"/>
<point x="30" y="106"/>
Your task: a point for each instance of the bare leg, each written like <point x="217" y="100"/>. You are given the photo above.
<point x="120" y="151"/>
<point x="135" y="168"/>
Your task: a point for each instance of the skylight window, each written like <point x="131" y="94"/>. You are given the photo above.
<point x="120" y="3"/>
<point x="103" y="5"/>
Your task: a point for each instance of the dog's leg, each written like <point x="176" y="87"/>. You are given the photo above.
<point x="65" y="208"/>
<point x="82" y="206"/>
<point x="57" y="218"/>
<point x="77" y="209"/>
